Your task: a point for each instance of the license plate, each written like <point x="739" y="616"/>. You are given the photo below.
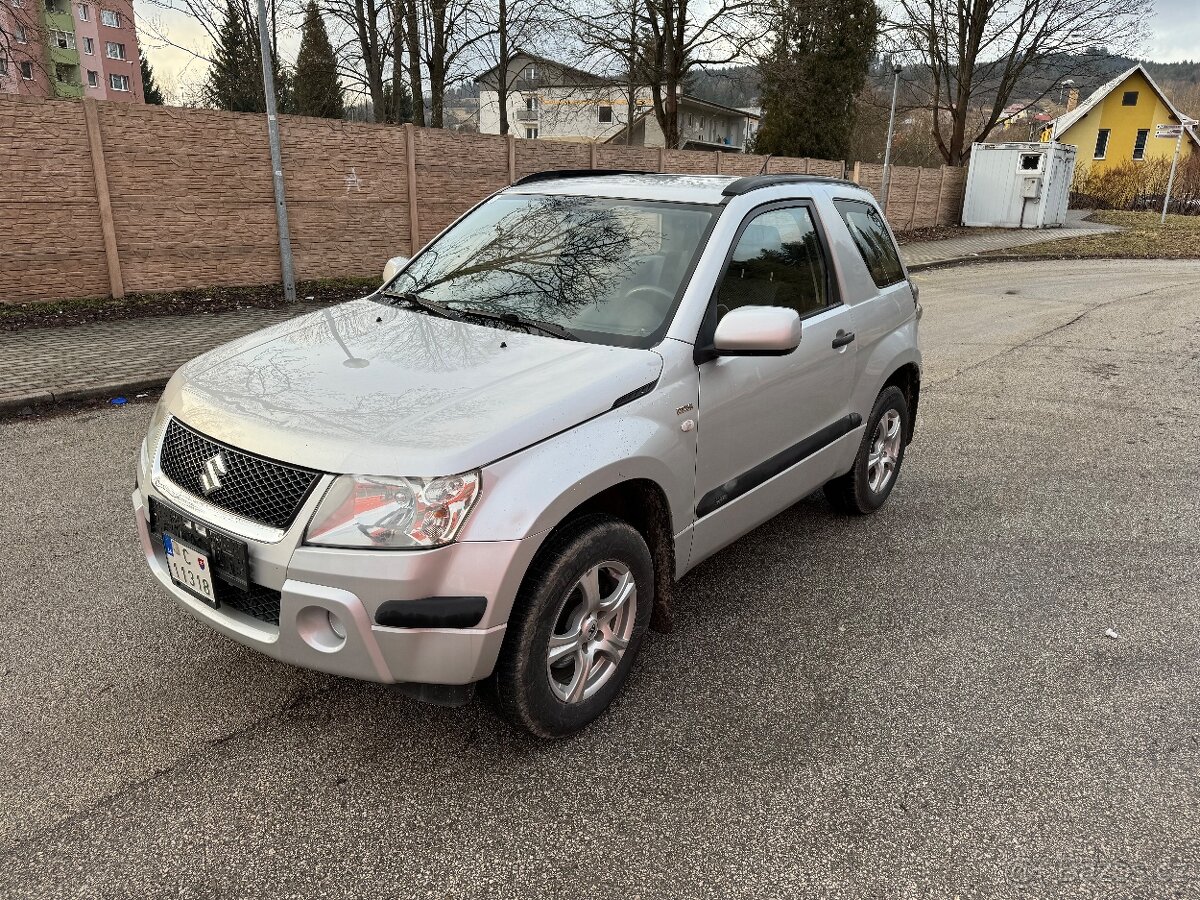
<point x="189" y="568"/>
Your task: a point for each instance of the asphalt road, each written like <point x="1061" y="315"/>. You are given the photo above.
<point x="920" y="704"/>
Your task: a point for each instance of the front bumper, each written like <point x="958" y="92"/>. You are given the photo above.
<point x="353" y="584"/>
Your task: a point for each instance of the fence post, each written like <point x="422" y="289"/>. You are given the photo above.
<point x="717" y="162"/>
<point x="912" y="216"/>
<point x="592" y="155"/>
<point x="857" y="176"/>
<point x="806" y="166"/>
<point x="937" y="212"/>
<point x="662" y="159"/>
<point x="512" y="158"/>
<point x="414" y="219"/>
<point x="107" y="228"/>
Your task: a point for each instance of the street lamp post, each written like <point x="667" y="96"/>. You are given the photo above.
<point x="285" y="241"/>
<point x="887" y="150"/>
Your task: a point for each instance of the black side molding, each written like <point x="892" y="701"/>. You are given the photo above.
<point x="432" y="612"/>
<point x="780" y="462"/>
<point x="634" y="394"/>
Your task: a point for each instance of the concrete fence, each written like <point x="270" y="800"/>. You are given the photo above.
<point x="102" y="199"/>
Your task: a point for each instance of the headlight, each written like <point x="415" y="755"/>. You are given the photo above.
<point x="154" y="434"/>
<point x="393" y="513"/>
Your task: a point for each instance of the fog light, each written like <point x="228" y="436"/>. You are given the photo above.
<point x="336" y="626"/>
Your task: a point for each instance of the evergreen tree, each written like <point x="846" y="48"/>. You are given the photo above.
<point x="150" y="88"/>
<point x="235" y="76"/>
<point x="314" y="87"/>
<point x="816" y="68"/>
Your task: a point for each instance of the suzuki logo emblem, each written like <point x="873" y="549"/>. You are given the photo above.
<point x="210" y="478"/>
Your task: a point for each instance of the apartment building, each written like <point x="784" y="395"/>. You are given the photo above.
<point x="549" y="100"/>
<point x="70" y="49"/>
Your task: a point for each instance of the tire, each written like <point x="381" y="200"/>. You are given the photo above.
<point x="864" y="489"/>
<point x="572" y="595"/>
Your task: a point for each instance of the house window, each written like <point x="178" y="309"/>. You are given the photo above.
<point x="65" y="74"/>
<point x="1129" y="98"/>
<point x="19" y="34"/>
<point x="113" y="50"/>
<point x="1101" y="144"/>
<point x="63" y="40"/>
<point x="3" y="66"/>
<point x="531" y="104"/>
<point x="606" y="115"/>
<point x="27" y="70"/>
<point x="119" y="82"/>
<point x="1139" y="144"/>
<point x="93" y="78"/>
<point x="529" y="73"/>
<point x="85" y="12"/>
<point x="531" y="133"/>
<point x="89" y="46"/>
<point x="110" y="18"/>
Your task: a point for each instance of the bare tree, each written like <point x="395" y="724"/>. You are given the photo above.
<point x="657" y="44"/>
<point x="509" y="25"/>
<point x="683" y="35"/>
<point x="978" y="52"/>
<point x="452" y="30"/>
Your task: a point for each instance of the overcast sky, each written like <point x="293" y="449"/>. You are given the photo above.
<point x="1174" y="36"/>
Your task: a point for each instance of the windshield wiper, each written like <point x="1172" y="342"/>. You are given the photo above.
<point x="512" y="318"/>
<point x="429" y="306"/>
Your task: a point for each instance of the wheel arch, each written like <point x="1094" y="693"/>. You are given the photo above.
<point x="643" y="504"/>
<point x="907" y="377"/>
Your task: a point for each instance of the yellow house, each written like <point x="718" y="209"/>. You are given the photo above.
<point x="1116" y="123"/>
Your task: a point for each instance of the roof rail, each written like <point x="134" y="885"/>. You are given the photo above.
<point x="552" y="174"/>
<point x="755" y="182"/>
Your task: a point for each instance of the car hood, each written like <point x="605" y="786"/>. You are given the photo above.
<point x="376" y="390"/>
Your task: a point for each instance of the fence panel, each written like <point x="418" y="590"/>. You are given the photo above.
<point x="192" y="201"/>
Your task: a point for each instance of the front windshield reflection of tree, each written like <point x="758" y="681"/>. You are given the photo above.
<point x="545" y="259"/>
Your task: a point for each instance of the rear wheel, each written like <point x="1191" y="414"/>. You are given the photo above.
<point x="865" y="488"/>
<point x="576" y="627"/>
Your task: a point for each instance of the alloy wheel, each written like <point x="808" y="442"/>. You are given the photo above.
<point x="885" y="451"/>
<point x="591" y="631"/>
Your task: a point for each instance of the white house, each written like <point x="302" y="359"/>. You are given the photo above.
<point x="550" y="100"/>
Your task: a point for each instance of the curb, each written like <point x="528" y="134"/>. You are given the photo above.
<point x="10" y="406"/>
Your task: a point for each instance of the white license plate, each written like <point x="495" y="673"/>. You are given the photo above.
<point x="189" y="568"/>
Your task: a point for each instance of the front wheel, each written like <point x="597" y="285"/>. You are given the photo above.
<point x="576" y="627"/>
<point x="866" y="487"/>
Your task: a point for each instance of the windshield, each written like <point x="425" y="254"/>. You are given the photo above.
<point x="608" y="271"/>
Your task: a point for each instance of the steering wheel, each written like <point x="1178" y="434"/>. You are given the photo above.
<point x="650" y="297"/>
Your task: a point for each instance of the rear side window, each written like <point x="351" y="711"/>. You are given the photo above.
<point x="777" y="262"/>
<point x="873" y="241"/>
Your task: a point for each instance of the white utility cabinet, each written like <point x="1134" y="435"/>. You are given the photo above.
<point x="1022" y="184"/>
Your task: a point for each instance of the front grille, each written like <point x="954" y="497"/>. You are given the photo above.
<point x="252" y="487"/>
<point x="259" y="602"/>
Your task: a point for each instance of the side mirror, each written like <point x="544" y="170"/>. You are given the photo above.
<point x="758" y="331"/>
<point x="394" y="265"/>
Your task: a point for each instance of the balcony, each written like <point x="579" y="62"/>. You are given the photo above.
<point x="528" y="115"/>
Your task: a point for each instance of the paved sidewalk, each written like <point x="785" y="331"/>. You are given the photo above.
<point x="922" y="255"/>
<point x="47" y="365"/>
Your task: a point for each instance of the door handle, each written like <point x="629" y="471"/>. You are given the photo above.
<point x="842" y="338"/>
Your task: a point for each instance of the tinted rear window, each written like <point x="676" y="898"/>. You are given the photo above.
<point x="873" y="240"/>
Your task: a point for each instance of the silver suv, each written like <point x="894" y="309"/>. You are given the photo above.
<point x="493" y="470"/>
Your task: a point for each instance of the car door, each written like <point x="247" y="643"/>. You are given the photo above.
<point x="766" y="424"/>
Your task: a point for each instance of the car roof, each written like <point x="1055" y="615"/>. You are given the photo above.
<point x="631" y="186"/>
<point x="706" y="189"/>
